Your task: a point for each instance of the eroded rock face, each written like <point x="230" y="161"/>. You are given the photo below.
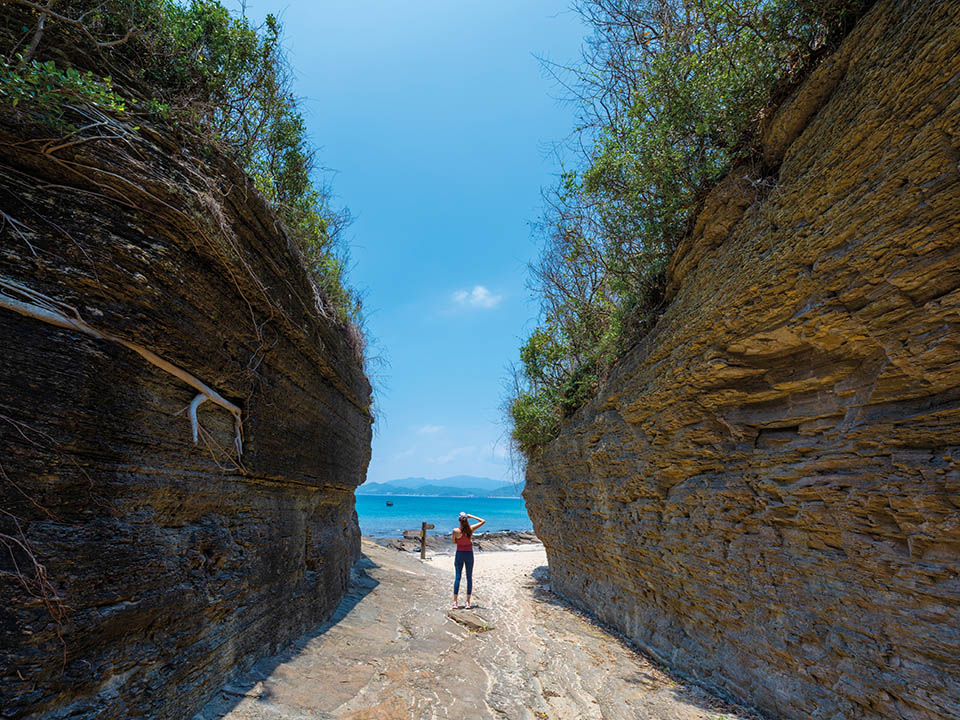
<point x="174" y="568"/>
<point x="765" y="494"/>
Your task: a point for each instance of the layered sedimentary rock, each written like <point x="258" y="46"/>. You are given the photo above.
<point x="168" y="565"/>
<point x="766" y="492"/>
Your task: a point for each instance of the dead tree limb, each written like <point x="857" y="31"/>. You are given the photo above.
<point x="41" y="307"/>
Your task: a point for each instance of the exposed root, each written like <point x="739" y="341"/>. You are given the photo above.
<point x="28" y="498"/>
<point x="35" y="583"/>
<point x="207" y="227"/>
<point x="194" y="423"/>
<point x="40" y="307"/>
<point x="33" y="579"/>
<point x="20" y="427"/>
<point x="17" y="225"/>
<point x="216" y="451"/>
<point x="26" y="568"/>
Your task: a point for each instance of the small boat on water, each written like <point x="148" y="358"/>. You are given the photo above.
<point x="389" y="504"/>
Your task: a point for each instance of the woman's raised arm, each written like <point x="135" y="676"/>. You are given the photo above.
<point x="473" y="528"/>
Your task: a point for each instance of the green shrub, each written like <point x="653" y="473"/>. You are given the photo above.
<point x="184" y="63"/>
<point x="46" y="88"/>
<point x="669" y="95"/>
<point x="535" y="420"/>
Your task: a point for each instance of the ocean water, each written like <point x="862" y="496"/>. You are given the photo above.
<point x="377" y="519"/>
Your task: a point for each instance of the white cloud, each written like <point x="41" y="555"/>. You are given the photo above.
<point x="453" y="454"/>
<point x="479" y="297"/>
<point x="404" y="454"/>
<point x="429" y="429"/>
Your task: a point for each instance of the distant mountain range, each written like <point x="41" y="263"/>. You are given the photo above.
<point x="456" y="486"/>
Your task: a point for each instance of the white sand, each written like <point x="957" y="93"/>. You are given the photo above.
<point x="518" y="557"/>
<point x="496" y="575"/>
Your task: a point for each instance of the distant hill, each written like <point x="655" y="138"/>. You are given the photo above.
<point x="456" y="486"/>
<point x="509" y="490"/>
<point x="470" y="482"/>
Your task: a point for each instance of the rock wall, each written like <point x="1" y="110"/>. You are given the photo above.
<point x="765" y="493"/>
<point x="169" y="566"/>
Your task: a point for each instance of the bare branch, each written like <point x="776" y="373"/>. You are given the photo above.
<point x="32" y="48"/>
<point x="46" y="11"/>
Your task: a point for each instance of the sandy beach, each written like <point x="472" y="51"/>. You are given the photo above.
<point x="394" y="651"/>
<point x="496" y="574"/>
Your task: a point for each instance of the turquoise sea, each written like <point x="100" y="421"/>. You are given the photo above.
<point x="377" y="519"/>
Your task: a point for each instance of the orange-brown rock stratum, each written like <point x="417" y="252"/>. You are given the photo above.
<point x="765" y="492"/>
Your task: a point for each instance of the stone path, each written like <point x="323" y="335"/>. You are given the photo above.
<point x="392" y="652"/>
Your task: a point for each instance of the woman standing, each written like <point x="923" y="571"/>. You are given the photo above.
<point x="464" y="556"/>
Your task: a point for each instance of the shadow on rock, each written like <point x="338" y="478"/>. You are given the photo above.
<point x="659" y="675"/>
<point x="251" y="683"/>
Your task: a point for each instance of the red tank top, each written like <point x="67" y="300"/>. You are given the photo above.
<point x="463" y="543"/>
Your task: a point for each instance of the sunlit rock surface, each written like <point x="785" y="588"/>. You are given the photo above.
<point x="175" y="570"/>
<point x="765" y="493"/>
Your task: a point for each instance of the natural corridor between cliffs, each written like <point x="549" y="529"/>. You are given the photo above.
<point x="392" y="651"/>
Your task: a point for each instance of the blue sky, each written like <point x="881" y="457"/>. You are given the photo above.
<point x="437" y="119"/>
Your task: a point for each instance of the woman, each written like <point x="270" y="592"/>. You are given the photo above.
<point x="464" y="556"/>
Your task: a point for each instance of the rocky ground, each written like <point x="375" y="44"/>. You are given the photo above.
<point x="484" y="542"/>
<point x="394" y="650"/>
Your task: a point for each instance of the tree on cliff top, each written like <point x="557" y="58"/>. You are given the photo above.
<point x="669" y="94"/>
<point x="191" y="65"/>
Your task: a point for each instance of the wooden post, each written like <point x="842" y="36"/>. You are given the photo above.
<point x="420" y="534"/>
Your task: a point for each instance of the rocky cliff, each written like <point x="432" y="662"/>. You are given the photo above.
<point x="765" y="493"/>
<point x="141" y="274"/>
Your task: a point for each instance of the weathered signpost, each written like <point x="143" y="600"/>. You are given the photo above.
<point x="422" y="534"/>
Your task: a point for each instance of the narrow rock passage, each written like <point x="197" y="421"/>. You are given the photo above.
<point x="392" y="652"/>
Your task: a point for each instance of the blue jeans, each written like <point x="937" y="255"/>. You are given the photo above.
<point x="463" y="557"/>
